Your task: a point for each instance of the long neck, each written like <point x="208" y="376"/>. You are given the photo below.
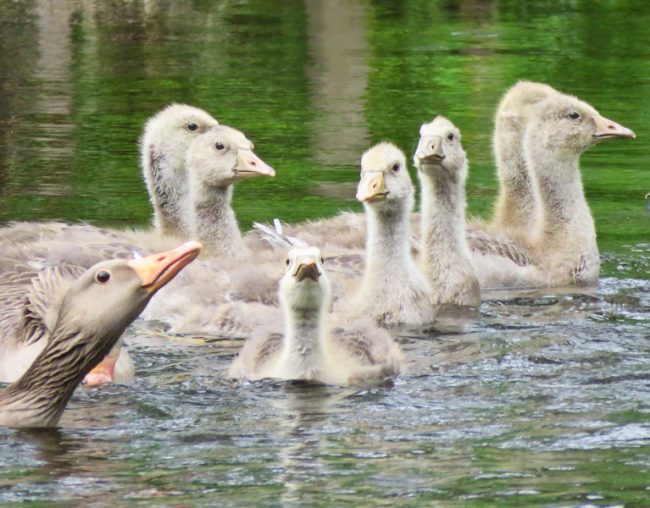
<point x="166" y="183"/>
<point x="39" y="397"/>
<point x="304" y="339"/>
<point x="567" y="222"/>
<point x="516" y="206"/>
<point x="388" y="245"/>
<point x="445" y="255"/>
<point x="213" y="219"/>
<point x="442" y="237"/>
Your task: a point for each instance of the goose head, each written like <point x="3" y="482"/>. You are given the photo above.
<point x="439" y="152"/>
<point x="111" y="294"/>
<point x="305" y="285"/>
<point x="169" y="133"/>
<point x="385" y="183"/>
<point x="167" y="136"/>
<point x="222" y="156"/>
<point x="515" y="104"/>
<point x="566" y="124"/>
<point x="94" y="313"/>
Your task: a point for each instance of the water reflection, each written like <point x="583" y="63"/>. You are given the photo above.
<point x="541" y="400"/>
<point x="338" y="74"/>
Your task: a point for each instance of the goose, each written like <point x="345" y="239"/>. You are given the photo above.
<point x="166" y="138"/>
<point x="560" y="128"/>
<point x="393" y="289"/>
<point x="214" y="162"/>
<point x="93" y="314"/>
<point x="30" y="303"/>
<point x="517" y="210"/>
<point x="445" y="256"/>
<point x="308" y="349"/>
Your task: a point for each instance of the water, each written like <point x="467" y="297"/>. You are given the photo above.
<point x="543" y="401"/>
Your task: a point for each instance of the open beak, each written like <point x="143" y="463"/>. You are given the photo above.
<point x="429" y="150"/>
<point x="307" y="271"/>
<point x="371" y="188"/>
<point x="158" y="269"/>
<point x="608" y="129"/>
<point x="249" y="164"/>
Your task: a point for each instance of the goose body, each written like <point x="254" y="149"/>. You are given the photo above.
<point x="94" y="312"/>
<point x="309" y="349"/>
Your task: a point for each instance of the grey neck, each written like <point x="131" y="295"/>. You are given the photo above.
<point x="214" y="221"/>
<point x="39" y="397"/>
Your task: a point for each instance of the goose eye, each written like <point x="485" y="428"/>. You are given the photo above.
<point x="395" y="167"/>
<point x="287" y="263"/>
<point x="450" y="136"/>
<point x="322" y="261"/>
<point x="574" y="115"/>
<point x="102" y="276"/>
<point x="219" y="145"/>
<point x="192" y="127"/>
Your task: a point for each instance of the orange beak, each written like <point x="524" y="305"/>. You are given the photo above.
<point x="158" y="269"/>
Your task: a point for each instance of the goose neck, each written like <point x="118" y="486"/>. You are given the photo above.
<point x="213" y="219"/>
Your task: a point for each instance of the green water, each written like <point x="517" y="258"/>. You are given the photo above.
<point x="543" y="402"/>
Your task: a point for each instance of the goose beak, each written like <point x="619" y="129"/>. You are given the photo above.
<point x="158" y="269"/>
<point x="608" y="129"/>
<point x="307" y="270"/>
<point x="249" y="164"/>
<point x="371" y="188"/>
<point x="429" y="150"/>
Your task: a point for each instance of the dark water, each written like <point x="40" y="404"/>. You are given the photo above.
<point x="544" y="401"/>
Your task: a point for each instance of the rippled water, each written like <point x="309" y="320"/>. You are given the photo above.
<point x="542" y="401"/>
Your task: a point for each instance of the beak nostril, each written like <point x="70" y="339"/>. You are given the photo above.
<point x="253" y="163"/>
<point x="610" y="126"/>
<point x="160" y="258"/>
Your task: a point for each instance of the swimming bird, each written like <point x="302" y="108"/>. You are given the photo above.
<point x="309" y="349"/>
<point x="93" y="314"/>
<point x="559" y="130"/>
<point x="444" y="253"/>
<point x="393" y="289"/>
<point x="517" y="209"/>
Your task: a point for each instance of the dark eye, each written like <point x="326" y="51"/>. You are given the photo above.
<point x="219" y="145"/>
<point x="574" y="115"/>
<point x="287" y="262"/>
<point x="192" y="127"/>
<point x="322" y="261"/>
<point x="102" y="276"/>
<point x="395" y="167"/>
<point x="451" y="136"/>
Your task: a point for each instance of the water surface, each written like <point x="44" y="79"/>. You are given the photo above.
<point x="543" y="401"/>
